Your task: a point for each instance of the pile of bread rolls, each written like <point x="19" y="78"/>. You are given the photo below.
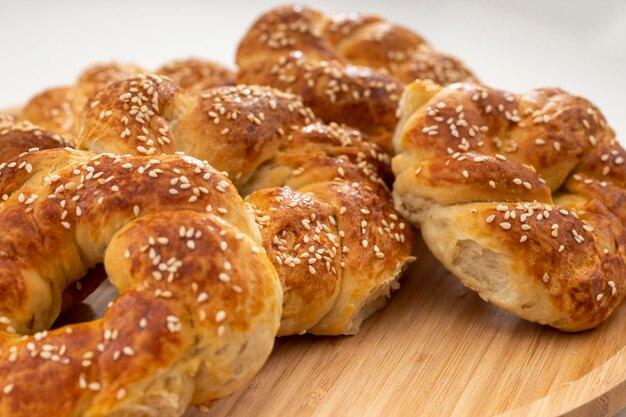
<point x="229" y="207"/>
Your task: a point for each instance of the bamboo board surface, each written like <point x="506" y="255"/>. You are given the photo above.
<point x="436" y="349"/>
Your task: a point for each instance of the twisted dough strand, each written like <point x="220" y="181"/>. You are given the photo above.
<point x="348" y="68"/>
<point x="267" y="140"/>
<point x="520" y="195"/>
<point x="59" y="109"/>
<point x="186" y="328"/>
<point x="19" y="137"/>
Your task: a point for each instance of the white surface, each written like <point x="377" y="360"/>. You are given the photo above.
<point x="517" y="45"/>
<point x="577" y="45"/>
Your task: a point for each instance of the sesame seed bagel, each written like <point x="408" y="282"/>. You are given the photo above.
<point x="521" y="196"/>
<point x="317" y="191"/>
<point x="187" y="328"/>
<point x="58" y="109"/>
<point x="349" y="68"/>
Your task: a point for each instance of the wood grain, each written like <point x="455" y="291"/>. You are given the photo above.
<point x="437" y="349"/>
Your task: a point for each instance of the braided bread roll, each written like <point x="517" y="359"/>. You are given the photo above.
<point x="519" y="195"/>
<point x="334" y="217"/>
<point x="185" y="329"/>
<point x="58" y="109"/>
<point x="348" y="68"/>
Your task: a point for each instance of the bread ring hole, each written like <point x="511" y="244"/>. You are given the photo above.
<point x="87" y="298"/>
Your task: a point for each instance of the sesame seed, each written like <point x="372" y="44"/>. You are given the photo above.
<point x="505" y="225"/>
<point x="121" y="393"/>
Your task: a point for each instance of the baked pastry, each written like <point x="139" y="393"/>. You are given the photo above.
<point x="186" y="328"/>
<point x="316" y="188"/>
<point x="349" y="68"/>
<point x="19" y="137"/>
<point x="197" y="73"/>
<point x="521" y="196"/>
<point x="58" y="109"/>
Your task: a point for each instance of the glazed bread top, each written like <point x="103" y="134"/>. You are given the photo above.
<point x="520" y="195"/>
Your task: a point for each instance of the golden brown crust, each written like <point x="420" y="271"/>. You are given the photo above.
<point x="301" y="237"/>
<point x="348" y="68"/>
<point x="149" y="216"/>
<point x="263" y="138"/>
<point x="373" y="42"/>
<point x="30" y="169"/>
<point x="59" y="109"/>
<point x="187" y="328"/>
<point x="554" y="263"/>
<point x="162" y="342"/>
<point x="55" y="109"/>
<point x="563" y="266"/>
<point x="98" y="76"/>
<point x="467" y="177"/>
<point x="356" y="96"/>
<point x="126" y="117"/>
<point x="371" y="234"/>
<point x="197" y="73"/>
<point x="282" y="30"/>
<point x="237" y="128"/>
<point x="19" y="137"/>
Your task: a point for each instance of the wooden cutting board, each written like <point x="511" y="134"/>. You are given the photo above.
<point x="436" y="349"/>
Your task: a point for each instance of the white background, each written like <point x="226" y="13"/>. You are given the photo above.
<point x="577" y="45"/>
